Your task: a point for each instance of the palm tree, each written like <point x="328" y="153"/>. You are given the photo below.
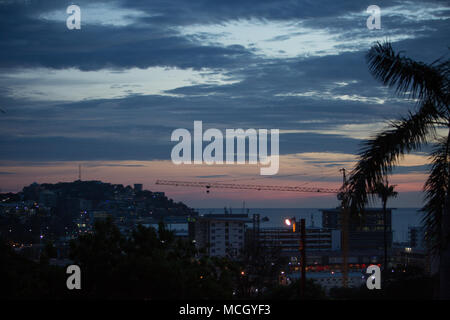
<point x="384" y="192"/>
<point x="428" y="85"/>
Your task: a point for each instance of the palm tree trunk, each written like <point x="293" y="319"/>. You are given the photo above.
<point x="444" y="259"/>
<point x="444" y="262"/>
<point x="385" y="238"/>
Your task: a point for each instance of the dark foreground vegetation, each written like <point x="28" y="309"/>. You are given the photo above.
<point x="152" y="265"/>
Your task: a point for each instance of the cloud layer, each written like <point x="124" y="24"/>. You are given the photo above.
<point x="114" y="90"/>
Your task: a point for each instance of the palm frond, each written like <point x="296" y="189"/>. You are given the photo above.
<point x="444" y="69"/>
<point x="381" y="154"/>
<point x="435" y="194"/>
<point x="385" y="191"/>
<point x="422" y="81"/>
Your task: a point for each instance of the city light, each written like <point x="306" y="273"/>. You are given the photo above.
<point x="290" y="222"/>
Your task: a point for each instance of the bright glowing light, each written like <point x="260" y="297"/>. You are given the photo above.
<point x="287" y="222"/>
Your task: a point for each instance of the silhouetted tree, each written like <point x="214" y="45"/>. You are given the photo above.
<point x="384" y="192"/>
<point x="429" y="85"/>
<point x="26" y="279"/>
<point x="149" y="264"/>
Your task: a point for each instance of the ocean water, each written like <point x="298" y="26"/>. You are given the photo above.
<point x="402" y="218"/>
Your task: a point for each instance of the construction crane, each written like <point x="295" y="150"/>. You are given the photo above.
<point x="340" y="192"/>
<point x="209" y="185"/>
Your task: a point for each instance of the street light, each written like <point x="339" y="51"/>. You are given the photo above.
<point x="290" y="222"/>
<point x="293" y="222"/>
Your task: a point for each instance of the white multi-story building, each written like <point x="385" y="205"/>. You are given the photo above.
<point x="220" y="234"/>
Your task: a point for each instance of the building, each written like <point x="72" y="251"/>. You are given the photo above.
<point x="416" y="238"/>
<point x="99" y="215"/>
<point x="329" y="280"/>
<point x="48" y="198"/>
<point x="408" y="257"/>
<point x="317" y="239"/>
<point x="219" y="234"/>
<point x="138" y="187"/>
<point x="320" y="244"/>
<point x="414" y="252"/>
<point x="85" y="205"/>
<point x="365" y="233"/>
<point x="158" y="195"/>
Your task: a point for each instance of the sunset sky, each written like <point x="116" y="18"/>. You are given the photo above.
<point x="108" y="96"/>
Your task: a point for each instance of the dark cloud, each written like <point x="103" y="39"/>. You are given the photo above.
<point x="78" y="149"/>
<point x="304" y="93"/>
<point x="29" y="41"/>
